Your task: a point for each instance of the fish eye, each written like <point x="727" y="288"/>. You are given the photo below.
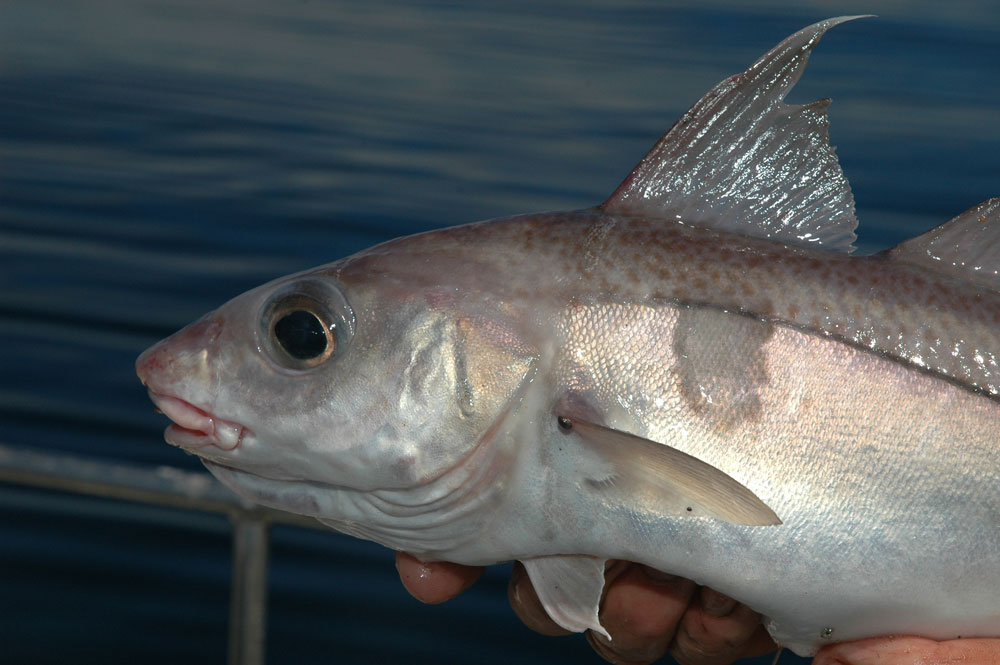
<point x="302" y="335"/>
<point x="305" y="325"/>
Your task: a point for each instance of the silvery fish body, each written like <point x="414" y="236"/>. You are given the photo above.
<point x="695" y="375"/>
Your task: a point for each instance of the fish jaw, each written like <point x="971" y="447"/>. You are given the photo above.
<point x="177" y="374"/>
<point x="194" y="428"/>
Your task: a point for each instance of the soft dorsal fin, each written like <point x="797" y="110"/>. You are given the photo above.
<point x="966" y="246"/>
<point x="741" y="160"/>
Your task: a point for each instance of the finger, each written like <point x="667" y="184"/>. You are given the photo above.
<point x="910" y="651"/>
<point x="434" y="582"/>
<point x="525" y="603"/>
<point x="641" y="611"/>
<point x="717" y="630"/>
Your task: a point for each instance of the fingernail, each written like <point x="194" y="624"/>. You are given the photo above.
<point x="715" y="603"/>
<point x="658" y="576"/>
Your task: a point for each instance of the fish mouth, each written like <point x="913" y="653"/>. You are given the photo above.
<point x="195" y="428"/>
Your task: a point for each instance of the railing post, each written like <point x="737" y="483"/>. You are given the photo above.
<point x="248" y="597"/>
<point x="177" y="488"/>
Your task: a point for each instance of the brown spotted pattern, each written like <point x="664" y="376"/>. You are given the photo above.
<point x="931" y="321"/>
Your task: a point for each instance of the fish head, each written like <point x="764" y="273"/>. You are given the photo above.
<point x="360" y="378"/>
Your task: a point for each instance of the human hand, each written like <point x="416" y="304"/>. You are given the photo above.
<point x="434" y="583"/>
<point x="911" y="651"/>
<point x="646" y="612"/>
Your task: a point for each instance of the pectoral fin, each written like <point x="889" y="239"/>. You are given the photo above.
<point x="653" y="476"/>
<point x="569" y="588"/>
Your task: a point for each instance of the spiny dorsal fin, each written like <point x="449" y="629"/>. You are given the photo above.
<point x="966" y="246"/>
<point x="741" y="160"/>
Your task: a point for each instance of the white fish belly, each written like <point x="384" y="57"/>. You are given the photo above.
<point x="886" y="478"/>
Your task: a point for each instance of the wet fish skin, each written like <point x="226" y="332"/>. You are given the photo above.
<point x="494" y="391"/>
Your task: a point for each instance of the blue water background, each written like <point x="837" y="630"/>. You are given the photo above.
<point x="159" y="157"/>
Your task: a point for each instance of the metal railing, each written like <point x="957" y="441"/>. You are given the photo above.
<point x="172" y="487"/>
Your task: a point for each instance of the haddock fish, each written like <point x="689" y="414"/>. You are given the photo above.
<point x="695" y="375"/>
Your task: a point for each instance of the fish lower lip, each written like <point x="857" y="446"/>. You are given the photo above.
<point x="195" y="428"/>
<point x="195" y="440"/>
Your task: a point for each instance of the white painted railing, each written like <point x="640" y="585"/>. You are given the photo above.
<point x="169" y="486"/>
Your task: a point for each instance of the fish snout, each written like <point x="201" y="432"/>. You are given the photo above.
<point x="170" y="359"/>
<point x="177" y="375"/>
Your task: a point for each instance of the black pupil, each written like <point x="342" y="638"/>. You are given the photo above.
<point x="301" y="335"/>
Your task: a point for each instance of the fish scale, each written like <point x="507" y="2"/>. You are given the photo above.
<point x="931" y="320"/>
<point x="694" y="375"/>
